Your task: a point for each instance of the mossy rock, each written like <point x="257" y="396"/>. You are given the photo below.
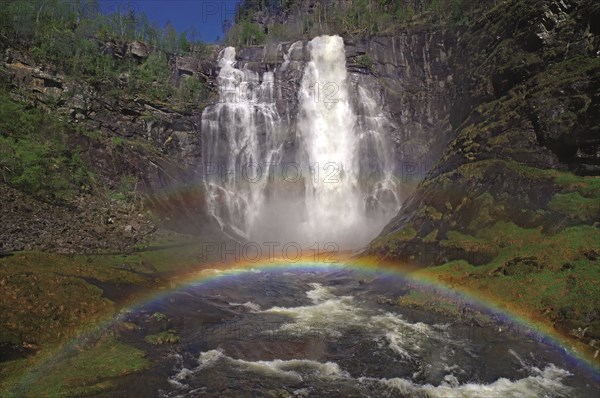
<point x="167" y="337"/>
<point x="576" y="206"/>
<point x="520" y="266"/>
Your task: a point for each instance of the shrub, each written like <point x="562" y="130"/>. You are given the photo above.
<point x="153" y="77"/>
<point x="245" y="33"/>
<point x="191" y="90"/>
<point x="34" y="156"/>
<point x="365" y="61"/>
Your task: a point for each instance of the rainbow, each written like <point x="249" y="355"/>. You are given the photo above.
<point x="207" y="274"/>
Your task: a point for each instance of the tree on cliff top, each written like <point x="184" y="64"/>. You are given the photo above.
<point x="294" y="20"/>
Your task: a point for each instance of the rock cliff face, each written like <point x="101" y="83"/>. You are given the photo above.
<point x="151" y="146"/>
<point x="526" y="111"/>
<point x="412" y="72"/>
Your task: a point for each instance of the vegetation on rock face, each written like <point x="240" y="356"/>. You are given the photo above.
<point x="48" y="151"/>
<point x="87" y="102"/>
<point x="257" y="22"/>
<point x="77" y="39"/>
<point x="402" y="235"/>
<point x="557" y="277"/>
<point x="167" y="337"/>
<point x="245" y="33"/>
<point x="35" y="155"/>
<point x="365" y="62"/>
<point x="61" y="29"/>
<point x="49" y="297"/>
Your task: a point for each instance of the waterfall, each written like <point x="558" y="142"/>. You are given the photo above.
<point x="338" y="183"/>
<point x="242" y="134"/>
<point x="329" y="146"/>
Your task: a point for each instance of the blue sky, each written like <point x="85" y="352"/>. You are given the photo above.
<point x="206" y="16"/>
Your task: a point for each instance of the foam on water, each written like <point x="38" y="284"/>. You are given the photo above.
<point x="541" y="383"/>
<point x="337" y="314"/>
<point x="209" y="358"/>
<point x="249" y="305"/>
<point x="295" y="370"/>
<point x="547" y="382"/>
<point x="404" y="338"/>
<point x="332" y="315"/>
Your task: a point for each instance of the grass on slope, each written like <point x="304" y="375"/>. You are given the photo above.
<point x="48" y="299"/>
<point x="81" y="373"/>
<point x="546" y="277"/>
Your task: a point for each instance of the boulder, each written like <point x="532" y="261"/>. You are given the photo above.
<point x="138" y="50"/>
<point x="187" y="66"/>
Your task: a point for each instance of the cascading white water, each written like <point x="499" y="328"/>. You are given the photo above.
<point x="376" y="161"/>
<point x="340" y="188"/>
<point x="241" y="134"/>
<point x="329" y="147"/>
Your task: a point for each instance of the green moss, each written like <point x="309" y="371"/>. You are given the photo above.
<point x="576" y="206"/>
<point x="104" y="268"/>
<point x="87" y="372"/>
<point x="47" y="298"/>
<point x="588" y="187"/>
<point x="506" y="241"/>
<point x="430" y="213"/>
<point x="479" y="168"/>
<point x="117" y="141"/>
<point x="566" y="72"/>
<point x="405" y="234"/>
<point x="159" y="316"/>
<point x="509" y="56"/>
<point x="92" y="134"/>
<point x="365" y="61"/>
<point x="462" y="241"/>
<point x="167" y="337"/>
<point x="487" y="211"/>
<point x="431" y="237"/>
<point x="564" y="286"/>
<point x="414" y="298"/>
<point x="506" y="233"/>
<point x="424" y="299"/>
<point x="578" y="196"/>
